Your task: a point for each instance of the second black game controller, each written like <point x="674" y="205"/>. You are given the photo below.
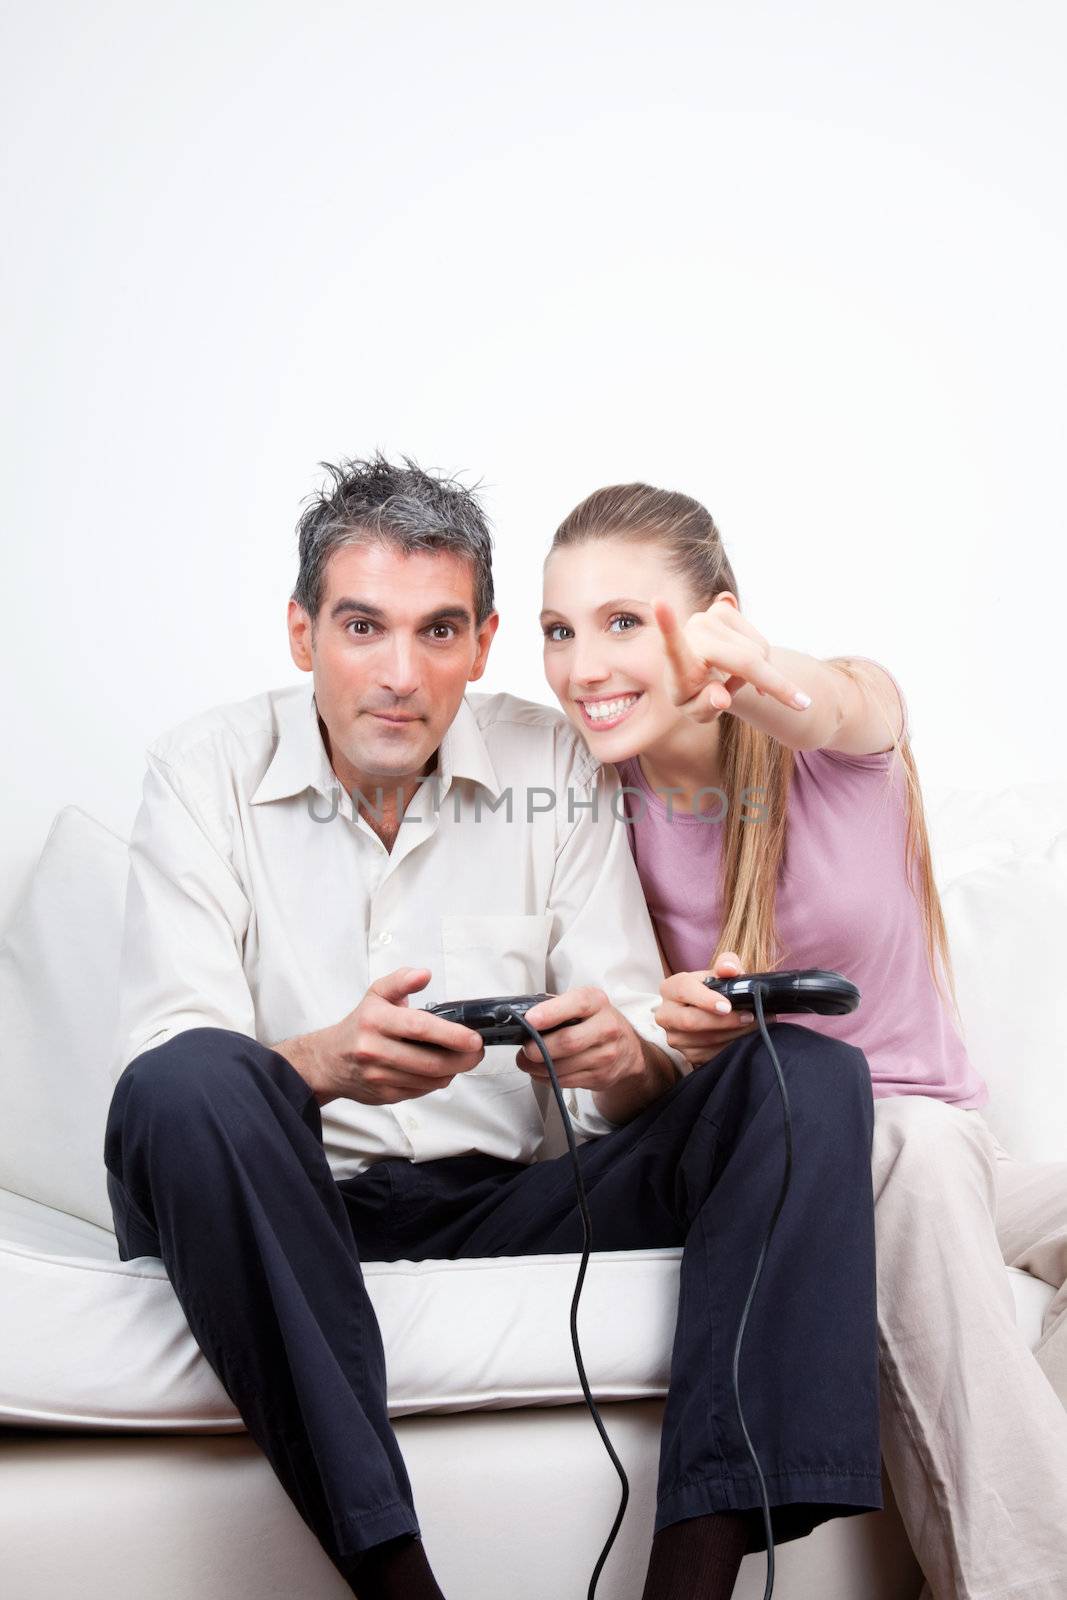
<point x="811" y="989"/>
<point x="494" y="1016"/>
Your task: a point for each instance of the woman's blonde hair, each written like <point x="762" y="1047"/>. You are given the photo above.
<point x="748" y="759"/>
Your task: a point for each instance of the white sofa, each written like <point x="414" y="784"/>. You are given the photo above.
<point x="124" y="1468"/>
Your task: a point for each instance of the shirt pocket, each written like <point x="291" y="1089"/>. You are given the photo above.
<point x="495" y="955"/>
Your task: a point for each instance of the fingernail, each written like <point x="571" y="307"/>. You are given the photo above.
<point x="802" y="699"/>
<point x="722" y="1005"/>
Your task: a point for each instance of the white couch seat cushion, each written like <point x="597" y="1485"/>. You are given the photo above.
<point x="89" y="1341"/>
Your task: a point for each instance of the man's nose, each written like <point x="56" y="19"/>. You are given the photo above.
<point x="399" y="670"/>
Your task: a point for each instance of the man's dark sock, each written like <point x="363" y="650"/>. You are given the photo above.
<point x="699" y="1558"/>
<point x="396" y="1570"/>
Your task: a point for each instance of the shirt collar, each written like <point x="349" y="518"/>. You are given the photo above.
<point x="300" y="761"/>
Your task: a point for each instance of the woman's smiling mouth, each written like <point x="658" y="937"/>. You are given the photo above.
<point x="607" y="713"/>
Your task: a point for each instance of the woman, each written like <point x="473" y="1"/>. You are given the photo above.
<point x="789" y="833"/>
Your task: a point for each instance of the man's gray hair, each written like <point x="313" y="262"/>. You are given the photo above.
<point x="403" y="506"/>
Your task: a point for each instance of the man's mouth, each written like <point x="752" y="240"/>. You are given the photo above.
<point x="608" y="713"/>
<point x="386" y="716"/>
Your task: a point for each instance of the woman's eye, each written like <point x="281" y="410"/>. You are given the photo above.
<point x="554" y="629"/>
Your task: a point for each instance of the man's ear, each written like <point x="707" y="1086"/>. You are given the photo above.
<point x="299" y="624"/>
<point x="485" y="639"/>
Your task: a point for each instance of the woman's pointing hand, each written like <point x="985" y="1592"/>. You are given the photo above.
<point x="714" y="655"/>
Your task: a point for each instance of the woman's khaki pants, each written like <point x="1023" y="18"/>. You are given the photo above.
<point x="974" y="1423"/>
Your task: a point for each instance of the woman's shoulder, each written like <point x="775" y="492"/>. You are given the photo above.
<point x="883" y="690"/>
<point x="887" y="691"/>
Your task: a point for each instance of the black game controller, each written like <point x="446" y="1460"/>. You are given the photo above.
<point x="809" y="990"/>
<point x="494" y="1017"/>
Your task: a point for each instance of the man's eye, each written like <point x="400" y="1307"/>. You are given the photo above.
<point x="450" y="626"/>
<point x="357" y="622"/>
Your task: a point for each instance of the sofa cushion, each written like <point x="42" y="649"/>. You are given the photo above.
<point x="1007" y="927"/>
<point x="500" y="1330"/>
<point x="971" y="828"/>
<point x="59" y="964"/>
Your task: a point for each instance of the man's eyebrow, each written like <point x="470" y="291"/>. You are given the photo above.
<point x="347" y="605"/>
<point x="621" y="600"/>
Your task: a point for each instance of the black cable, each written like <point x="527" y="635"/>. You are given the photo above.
<point x="588" y="1234"/>
<point x="757" y="991"/>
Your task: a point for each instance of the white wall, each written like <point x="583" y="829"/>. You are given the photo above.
<point x="806" y="263"/>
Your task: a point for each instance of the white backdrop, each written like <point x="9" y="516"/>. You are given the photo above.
<point x="806" y="263"/>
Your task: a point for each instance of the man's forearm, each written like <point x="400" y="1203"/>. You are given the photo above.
<point x="311" y="1054"/>
<point x="628" y="1099"/>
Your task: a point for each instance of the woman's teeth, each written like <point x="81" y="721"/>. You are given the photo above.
<point x="603" y="711"/>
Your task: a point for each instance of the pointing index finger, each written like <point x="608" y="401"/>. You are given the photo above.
<point x="688" y="668"/>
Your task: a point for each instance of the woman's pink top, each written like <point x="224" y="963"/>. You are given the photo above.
<point x="843" y="904"/>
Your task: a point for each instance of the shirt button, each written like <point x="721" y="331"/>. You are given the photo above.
<point x="385" y="938"/>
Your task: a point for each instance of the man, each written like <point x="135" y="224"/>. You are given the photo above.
<point x="302" y="865"/>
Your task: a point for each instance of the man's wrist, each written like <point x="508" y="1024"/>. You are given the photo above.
<point x="651" y="1079"/>
<point x="310" y="1055"/>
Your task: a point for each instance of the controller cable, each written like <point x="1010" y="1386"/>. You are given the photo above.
<point x="757" y="991"/>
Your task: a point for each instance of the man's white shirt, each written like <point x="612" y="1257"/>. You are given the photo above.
<point x="259" y="900"/>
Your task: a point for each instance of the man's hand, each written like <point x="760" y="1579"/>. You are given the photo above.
<point x="385" y="1051"/>
<point x="600" y="1050"/>
<point x="690" y="1016"/>
<point x="714" y="655"/>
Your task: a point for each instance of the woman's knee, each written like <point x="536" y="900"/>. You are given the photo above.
<point x="930" y="1151"/>
<point x="919" y="1127"/>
